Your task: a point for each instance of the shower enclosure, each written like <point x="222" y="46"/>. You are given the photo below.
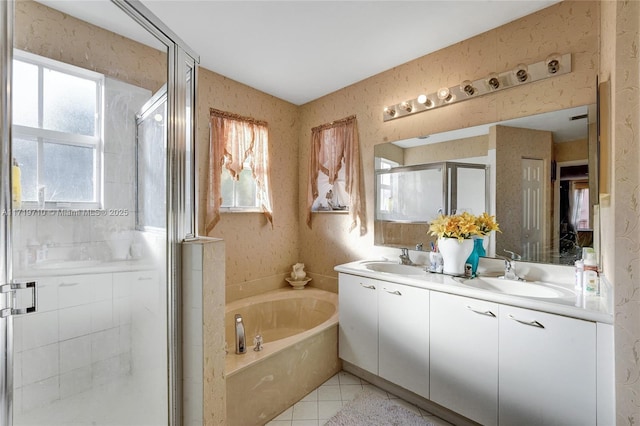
<point x="96" y="193"/>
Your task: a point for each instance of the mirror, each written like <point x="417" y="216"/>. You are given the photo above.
<point x="541" y="182"/>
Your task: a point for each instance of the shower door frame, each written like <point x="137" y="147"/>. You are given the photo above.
<point x="181" y="218"/>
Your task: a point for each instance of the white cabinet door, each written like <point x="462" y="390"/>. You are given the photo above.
<point x="547" y="369"/>
<point x="464" y="356"/>
<point x="403" y="333"/>
<point x="358" y="317"/>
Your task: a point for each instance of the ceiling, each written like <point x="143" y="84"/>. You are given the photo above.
<point x="302" y="50"/>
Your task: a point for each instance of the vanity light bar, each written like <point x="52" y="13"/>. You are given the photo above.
<point x="553" y="66"/>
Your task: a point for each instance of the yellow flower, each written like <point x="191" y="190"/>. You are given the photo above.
<point x="486" y="224"/>
<point x="462" y="226"/>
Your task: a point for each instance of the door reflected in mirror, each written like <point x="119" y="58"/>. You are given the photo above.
<point x="538" y="178"/>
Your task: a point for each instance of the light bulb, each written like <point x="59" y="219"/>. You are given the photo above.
<point x="493" y="81"/>
<point x="390" y="111"/>
<point x="521" y="73"/>
<point x="444" y="94"/>
<point x="467" y="87"/>
<point x="158" y="117"/>
<point x="422" y="99"/>
<point x="553" y="63"/>
<point x="406" y="106"/>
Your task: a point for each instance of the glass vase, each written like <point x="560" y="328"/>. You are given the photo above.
<point x="476" y="254"/>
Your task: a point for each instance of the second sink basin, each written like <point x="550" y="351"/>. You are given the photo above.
<point x="520" y="288"/>
<point x="394" y="268"/>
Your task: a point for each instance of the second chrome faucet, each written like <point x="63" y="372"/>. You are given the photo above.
<point x="404" y="257"/>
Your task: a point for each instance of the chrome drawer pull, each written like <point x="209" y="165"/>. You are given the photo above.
<point x="370" y="287"/>
<point x="487" y="313"/>
<point x="533" y="323"/>
<point x="397" y="293"/>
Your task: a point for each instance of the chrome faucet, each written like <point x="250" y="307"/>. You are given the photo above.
<point x="241" y="346"/>
<point x="510" y="266"/>
<point x="404" y="257"/>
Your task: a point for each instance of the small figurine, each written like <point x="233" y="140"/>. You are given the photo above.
<point x="298" y="273"/>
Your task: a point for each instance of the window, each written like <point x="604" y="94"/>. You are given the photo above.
<point x="386" y="186"/>
<point x="57" y="132"/>
<point x="580" y="205"/>
<point x="239" y="194"/>
<point x="335" y="176"/>
<point x="238" y="167"/>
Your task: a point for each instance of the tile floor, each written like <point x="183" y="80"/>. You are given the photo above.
<point x="321" y="404"/>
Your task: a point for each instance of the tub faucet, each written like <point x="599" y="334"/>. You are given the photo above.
<point x="241" y="346"/>
<point x="404" y="257"/>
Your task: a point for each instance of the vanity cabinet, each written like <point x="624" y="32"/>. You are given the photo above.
<point x="464" y="356"/>
<point x="358" y="318"/>
<point x="384" y="329"/>
<point x="403" y="336"/>
<point x="547" y="368"/>
<point x="492" y="363"/>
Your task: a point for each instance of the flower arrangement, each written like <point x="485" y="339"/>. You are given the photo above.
<point x="486" y="223"/>
<point x="463" y="226"/>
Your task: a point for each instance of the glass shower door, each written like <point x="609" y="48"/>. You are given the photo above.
<point x="96" y="350"/>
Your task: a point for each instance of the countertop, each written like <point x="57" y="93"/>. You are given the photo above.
<point x="590" y="308"/>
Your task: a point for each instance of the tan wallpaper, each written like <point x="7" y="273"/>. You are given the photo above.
<point x="565" y="27"/>
<point x="258" y="257"/>
<point x="53" y="34"/>
<point x="621" y="227"/>
<point x="512" y="145"/>
<point x="571" y="150"/>
<point x="448" y="151"/>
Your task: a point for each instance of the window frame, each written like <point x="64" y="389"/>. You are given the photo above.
<point x="234" y="208"/>
<point x="46" y="136"/>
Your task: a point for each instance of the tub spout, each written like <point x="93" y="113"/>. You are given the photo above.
<point x="241" y="346"/>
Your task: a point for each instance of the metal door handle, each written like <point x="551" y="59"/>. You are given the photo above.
<point x="369" y="286"/>
<point x="10" y="290"/>
<point x="533" y="323"/>
<point x="487" y="313"/>
<point x="396" y="292"/>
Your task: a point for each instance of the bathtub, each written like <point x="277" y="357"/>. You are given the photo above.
<point x="300" y="352"/>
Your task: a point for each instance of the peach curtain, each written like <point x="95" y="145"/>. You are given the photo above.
<point x="233" y="139"/>
<point x="330" y="145"/>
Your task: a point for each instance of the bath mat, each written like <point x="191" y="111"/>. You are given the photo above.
<point x="371" y="409"/>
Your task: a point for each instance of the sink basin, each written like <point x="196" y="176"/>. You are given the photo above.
<point x="520" y="288"/>
<point x="394" y="268"/>
<point x="63" y="264"/>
